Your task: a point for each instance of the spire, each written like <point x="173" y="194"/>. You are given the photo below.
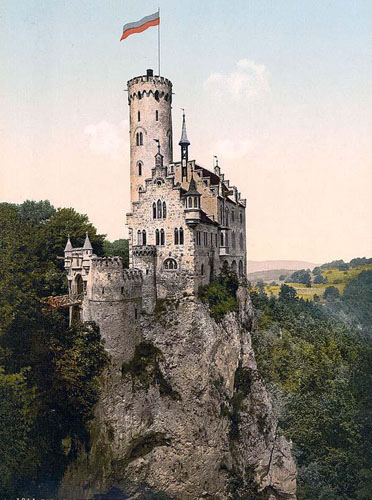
<point x="192" y="187"/>
<point x="87" y="243"/>
<point x="68" y="246"/>
<point x="184" y="140"/>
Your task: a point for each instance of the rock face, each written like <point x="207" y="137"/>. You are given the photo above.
<point x="188" y="416"/>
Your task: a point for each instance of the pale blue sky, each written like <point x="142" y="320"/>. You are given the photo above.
<point x="291" y="124"/>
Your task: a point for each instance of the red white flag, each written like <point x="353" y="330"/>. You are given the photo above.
<point x="141" y="25"/>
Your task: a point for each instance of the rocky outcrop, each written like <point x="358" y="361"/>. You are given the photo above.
<point x="188" y="416"/>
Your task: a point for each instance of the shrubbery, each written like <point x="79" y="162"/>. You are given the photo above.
<point x="221" y="294"/>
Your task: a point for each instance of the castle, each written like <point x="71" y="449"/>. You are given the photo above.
<point x="186" y="222"/>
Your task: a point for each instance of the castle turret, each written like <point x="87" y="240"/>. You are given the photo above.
<point x="184" y="143"/>
<point x="150" y="100"/>
<point x="192" y="204"/>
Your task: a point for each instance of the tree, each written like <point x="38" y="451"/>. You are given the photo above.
<point x="319" y="280"/>
<point x="118" y="248"/>
<point x="301" y="276"/>
<point x="287" y="293"/>
<point x="331" y="293"/>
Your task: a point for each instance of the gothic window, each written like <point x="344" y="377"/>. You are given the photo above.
<point x="198" y="239"/>
<point x="157" y="115"/>
<point x="233" y="266"/>
<point x="139" y="168"/>
<point x="144" y="237"/>
<point x="159" y="209"/>
<point x="170" y="264"/>
<point x="164" y="210"/>
<point x="137" y="139"/>
<point x="176" y="236"/>
<point x="157" y="237"/>
<point x="233" y="240"/>
<point x="240" y="268"/>
<point x="157" y="95"/>
<point x="202" y="270"/>
<point x="162" y="237"/>
<point x="139" y="237"/>
<point x="241" y="241"/>
<point x="190" y="202"/>
<point x="141" y="139"/>
<point x="139" y="116"/>
<point x="154" y="210"/>
<point x="195" y="202"/>
<point x="221" y="240"/>
<point x="181" y="236"/>
<point x="135" y="313"/>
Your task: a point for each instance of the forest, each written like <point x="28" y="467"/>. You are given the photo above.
<point x="316" y="359"/>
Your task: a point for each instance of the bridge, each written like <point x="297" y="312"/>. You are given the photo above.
<point x="62" y="301"/>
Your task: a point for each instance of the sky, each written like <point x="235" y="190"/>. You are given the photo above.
<point x="280" y="90"/>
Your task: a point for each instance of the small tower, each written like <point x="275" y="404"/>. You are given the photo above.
<point x="150" y="114"/>
<point x="184" y="143"/>
<point x="192" y="204"/>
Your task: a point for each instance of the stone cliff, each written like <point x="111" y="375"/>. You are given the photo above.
<point x="186" y="417"/>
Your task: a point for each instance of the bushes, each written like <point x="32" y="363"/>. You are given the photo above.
<point x="221" y="294"/>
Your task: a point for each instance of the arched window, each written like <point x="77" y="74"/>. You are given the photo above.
<point x="157" y="237"/>
<point x="170" y="140"/>
<point x="176" y="236"/>
<point x="139" y="168"/>
<point x="241" y="241"/>
<point x="139" y="95"/>
<point x="190" y="202"/>
<point x="144" y="237"/>
<point x="157" y="115"/>
<point x="154" y="210"/>
<point x="170" y="264"/>
<point x="164" y="210"/>
<point x="240" y="268"/>
<point x="233" y="240"/>
<point x="139" y="237"/>
<point x="221" y="243"/>
<point x="202" y="270"/>
<point x="139" y="116"/>
<point x="157" y="95"/>
<point x="137" y="139"/>
<point x="181" y="236"/>
<point x="162" y="237"/>
<point x="233" y="266"/>
<point x="141" y="139"/>
<point x="196" y="202"/>
<point x="159" y="209"/>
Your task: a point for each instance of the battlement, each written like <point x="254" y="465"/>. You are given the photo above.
<point x="132" y="274"/>
<point x="144" y="250"/>
<point x="156" y="80"/>
<point x="107" y="262"/>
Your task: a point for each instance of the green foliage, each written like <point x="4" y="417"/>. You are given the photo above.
<point x="301" y="276"/>
<point x="320" y="373"/>
<point x="118" y="248"/>
<point x="331" y="293"/>
<point x="48" y="372"/>
<point x="220" y="295"/>
<point x="320" y="280"/>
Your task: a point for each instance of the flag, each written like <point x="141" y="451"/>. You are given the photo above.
<point x="141" y="25"/>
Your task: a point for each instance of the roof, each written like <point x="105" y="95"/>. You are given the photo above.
<point x="204" y="218"/>
<point x="68" y="246"/>
<point x="192" y="188"/>
<point x="87" y="243"/>
<point x="184" y="140"/>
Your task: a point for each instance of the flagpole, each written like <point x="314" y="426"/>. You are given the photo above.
<point x="159" y="41"/>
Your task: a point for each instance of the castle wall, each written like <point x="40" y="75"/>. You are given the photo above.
<point x="114" y="301"/>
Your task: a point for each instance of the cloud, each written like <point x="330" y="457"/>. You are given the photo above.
<point x="108" y="138"/>
<point x="232" y="149"/>
<point x="249" y="81"/>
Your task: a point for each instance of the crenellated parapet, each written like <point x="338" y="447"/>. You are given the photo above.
<point x="144" y="250"/>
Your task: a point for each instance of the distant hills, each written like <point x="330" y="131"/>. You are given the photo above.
<point x="281" y="265"/>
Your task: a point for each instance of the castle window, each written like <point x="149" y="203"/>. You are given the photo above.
<point x="241" y="241"/>
<point x="139" y="237"/>
<point x="221" y="215"/>
<point x="157" y="115"/>
<point x="162" y="237"/>
<point x="227" y="217"/>
<point x="154" y="210"/>
<point x="170" y="264"/>
<point x="222" y="240"/>
<point x="240" y="268"/>
<point x="139" y="116"/>
<point x="141" y="139"/>
<point x="144" y="237"/>
<point x="159" y="209"/>
<point x="227" y="239"/>
<point x="157" y="95"/>
<point x="181" y="236"/>
<point x="233" y="215"/>
<point x="176" y="236"/>
<point x="202" y="270"/>
<point x="233" y="266"/>
<point x="190" y="202"/>
<point x="137" y="139"/>
<point x="139" y="168"/>
<point x="122" y="290"/>
<point x="103" y="290"/>
<point x="241" y="217"/>
<point x="139" y="95"/>
<point x="233" y="240"/>
<point x="195" y="202"/>
<point x="157" y="237"/>
<point x="198" y="239"/>
<point x="135" y="313"/>
<point x="216" y="240"/>
<point x="205" y="239"/>
<point x="164" y="210"/>
<point x="170" y="141"/>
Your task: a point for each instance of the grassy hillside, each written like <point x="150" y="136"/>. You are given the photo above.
<point x="336" y="277"/>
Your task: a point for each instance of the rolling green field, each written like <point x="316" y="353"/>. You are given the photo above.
<point x="335" y="277"/>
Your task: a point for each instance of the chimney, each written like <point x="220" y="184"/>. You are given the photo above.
<point x="149" y="72"/>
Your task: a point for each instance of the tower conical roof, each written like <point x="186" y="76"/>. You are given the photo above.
<point x="184" y="140"/>
<point x="87" y="243"/>
<point x="192" y="188"/>
<point x="68" y="246"/>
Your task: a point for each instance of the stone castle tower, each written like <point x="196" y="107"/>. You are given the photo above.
<point x="150" y="119"/>
<point x="186" y="222"/>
